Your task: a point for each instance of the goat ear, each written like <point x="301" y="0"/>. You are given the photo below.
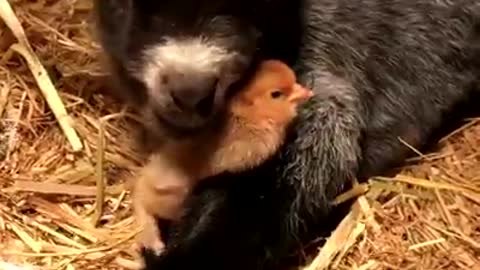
<point x="114" y="19"/>
<point x="111" y="13"/>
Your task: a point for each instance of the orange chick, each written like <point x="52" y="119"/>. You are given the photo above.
<point x="255" y="128"/>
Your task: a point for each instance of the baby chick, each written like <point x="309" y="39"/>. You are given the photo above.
<point x="255" y="128"/>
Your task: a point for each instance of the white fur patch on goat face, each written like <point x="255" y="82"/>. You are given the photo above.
<point x="195" y="55"/>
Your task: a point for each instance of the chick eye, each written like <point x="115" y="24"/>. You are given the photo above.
<point x="276" y="94"/>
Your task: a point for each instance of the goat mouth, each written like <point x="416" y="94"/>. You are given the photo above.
<point x="172" y="126"/>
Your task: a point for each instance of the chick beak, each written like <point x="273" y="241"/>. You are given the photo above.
<point x="300" y="93"/>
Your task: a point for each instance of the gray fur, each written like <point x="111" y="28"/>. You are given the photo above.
<point x="409" y="63"/>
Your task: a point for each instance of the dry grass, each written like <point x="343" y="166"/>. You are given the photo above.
<point x="426" y="218"/>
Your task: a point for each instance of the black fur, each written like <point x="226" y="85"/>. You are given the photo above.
<point x="382" y="69"/>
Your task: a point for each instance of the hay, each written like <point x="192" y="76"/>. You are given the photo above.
<point x="52" y="213"/>
<point x="61" y="209"/>
<point x="426" y="217"/>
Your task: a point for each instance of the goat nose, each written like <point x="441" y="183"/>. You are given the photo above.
<point x="196" y="100"/>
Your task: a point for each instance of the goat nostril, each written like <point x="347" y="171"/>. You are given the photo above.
<point x="177" y="101"/>
<point x="202" y="106"/>
<point x="205" y="105"/>
<point x="198" y="99"/>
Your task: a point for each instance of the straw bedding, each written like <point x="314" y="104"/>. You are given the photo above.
<point x="52" y="175"/>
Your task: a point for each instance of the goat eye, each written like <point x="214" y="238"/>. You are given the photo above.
<point x="276" y="94"/>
